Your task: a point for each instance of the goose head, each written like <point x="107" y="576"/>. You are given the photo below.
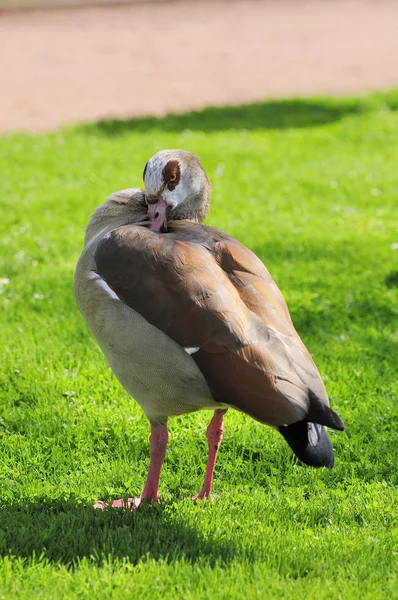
<point x="176" y="188"/>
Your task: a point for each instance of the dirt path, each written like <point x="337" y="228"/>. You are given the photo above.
<point x="68" y="65"/>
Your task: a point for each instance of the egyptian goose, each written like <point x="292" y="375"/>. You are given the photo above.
<point x="190" y="319"/>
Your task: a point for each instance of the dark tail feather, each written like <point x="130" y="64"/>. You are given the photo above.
<point x="323" y="414"/>
<point x="310" y="443"/>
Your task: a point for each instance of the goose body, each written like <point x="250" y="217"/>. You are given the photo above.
<point x="190" y="319"/>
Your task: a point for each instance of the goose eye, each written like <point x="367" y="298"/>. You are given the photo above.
<point x="173" y="177"/>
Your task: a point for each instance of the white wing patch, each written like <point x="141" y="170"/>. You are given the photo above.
<point x="102" y="284"/>
<point x="192" y="350"/>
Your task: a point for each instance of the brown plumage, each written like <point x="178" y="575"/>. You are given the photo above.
<point x="204" y="289"/>
<point x="210" y="295"/>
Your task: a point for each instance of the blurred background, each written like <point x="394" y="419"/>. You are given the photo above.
<point x="63" y="62"/>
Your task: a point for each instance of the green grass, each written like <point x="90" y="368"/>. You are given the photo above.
<point x="312" y="187"/>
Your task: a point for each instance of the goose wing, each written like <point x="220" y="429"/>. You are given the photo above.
<point x="215" y="298"/>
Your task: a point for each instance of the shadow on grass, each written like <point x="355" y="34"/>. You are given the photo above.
<point x="391" y="280"/>
<point x="274" y="114"/>
<point x="64" y="532"/>
<point x="271" y="114"/>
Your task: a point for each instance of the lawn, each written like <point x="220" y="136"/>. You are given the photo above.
<point x="312" y="187"/>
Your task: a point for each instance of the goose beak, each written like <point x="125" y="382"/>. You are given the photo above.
<point x="157" y="212"/>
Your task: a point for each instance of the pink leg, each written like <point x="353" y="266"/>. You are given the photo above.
<point x="158" y="442"/>
<point x="214" y="434"/>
